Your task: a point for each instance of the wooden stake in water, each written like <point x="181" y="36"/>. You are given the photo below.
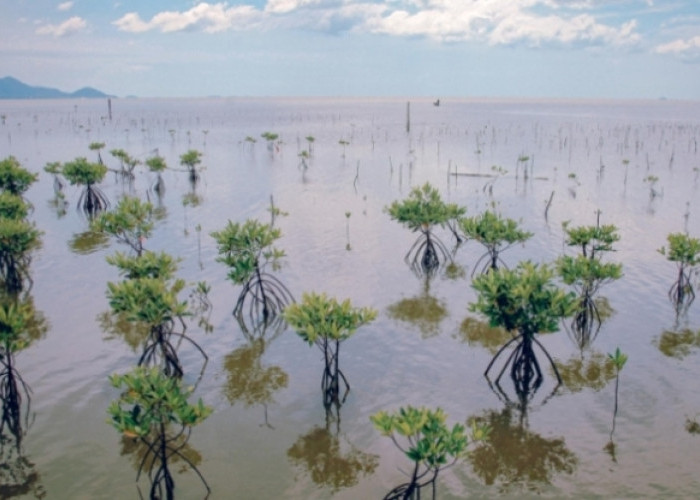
<point x="408" y="117"/>
<point x="109" y="108"/>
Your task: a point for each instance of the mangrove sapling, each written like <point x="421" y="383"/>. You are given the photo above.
<point x="83" y="173"/>
<point x="322" y="320"/>
<point x="272" y="141"/>
<point x="526" y="302"/>
<point x="190" y="160"/>
<point x="586" y="273"/>
<point x="131" y="222"/>
<point x="157" y="165"/>
<point x="618" y="359"/>
<point x="421" y="211"/>
<point x="148" y="409"/>
<point x="247" y="249"/>
<point x="685" y="252"/>
<point x="54" y="168"/>
<point x="127" y="164"/>
<point x="424" y="437"/>
<point x="495" y="233"/>
<point x="97" y="146"/>
<point x="14" y="178"/>
<point x="18" y="238"/>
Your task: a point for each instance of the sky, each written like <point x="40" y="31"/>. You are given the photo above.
<point x="646" y="49"/>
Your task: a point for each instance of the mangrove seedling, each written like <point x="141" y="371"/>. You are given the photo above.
<point x="247" y="249"/>
<point x="424" y="437"/>
<point x="495" y="233"/>
<point x="685" y="252"/>
<point x="14" y="320"/>
<point x="83" y="173"/>
<point x="524" y="301"/>
<point x="97" y="146"/>
<point x="586" y="273"/>
<point x="127" y="163"/>
<point x="190" y="160"/>
<point x="14" y="178"/>
<point x="154" y="302"/>
<point x="618" y="360"/>
<point x="322" y="320"/>
<point x="131" y="222"/>
<point x="148" y="409"/>
<point x="18" y="238"/>
<point x="271" y="138"/>
<point x="422" y="211"/>
<point x="54" y="168"/>
<point x="159" y="265"/>
<point x="157" y="165"/>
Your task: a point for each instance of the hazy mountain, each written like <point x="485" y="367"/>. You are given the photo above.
<point x="11" y="88"/>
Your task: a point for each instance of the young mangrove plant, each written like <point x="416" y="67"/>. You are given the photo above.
<point x="14" y="320"/>
<point x="322" y="320"/>
<point x="524" y="301"/>
<point x="18" y="238"/>
<point x="14" y="178"/>
<point x="247" y="249"/>
<point x="271" y="139"/>
<point x="586" y="273"/>
<point x="157" y="165"/>
<point x="618" y="359"/>
<point x="83" y="173"/>
<point x="127" y="163"/>
<point x="422" y="211"/>
<point x="424" y="437"/>
<point x="131" y="222"/>
<point x="154" y="409"/>
<point x="685" y="252"/>
<point x="190" y="160"/>
<point x="495" y="233"/>
<point x="97" y="146"/>
<point x="150" y="296"/>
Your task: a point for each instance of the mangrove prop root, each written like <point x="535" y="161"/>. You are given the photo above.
<point x="427" y="254"/>
<point x="262" y="299"/>
<point x="92" y="201"/>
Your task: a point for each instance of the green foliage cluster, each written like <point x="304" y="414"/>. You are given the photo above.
<point x="14" y="178"/>
<point x="247" y="248"/>
<point x="126" y="161"/>
<point x="682" y="249"/>
<point x="524" y="299"/>
<point x="17" y="237"/>
<point x="151" y="400"/>
<point x="83" y="173"/>
<point x="150" y="300"/>
<point x="160" y="265"/>
<point x="12" y="206"/>
<point x="580" y="271"/>
<point x="319" y="317"/>
<point x="156" y="164"/>
<point x="191" y="159"/>
<point x="130" y="222"/>
<point x="492" y="230"/>
<point x="423" y="209"/>
<point x="591" y="239"/>
<point x="15" y="322"/>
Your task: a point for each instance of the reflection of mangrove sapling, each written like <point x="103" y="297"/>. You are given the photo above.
<point x="525" y="301"/>
<point x="131" y="222"/>
<point x="83" y="173"/>
<point x="685" y="252"/>
<point x="421" y="211"/>
<point x="247" y="249"/>
<point x="147" y="409"/>
<point x="157" y="165"/>
<point x="495" y="233"/>
<point x="586" y="273"/>
<point x="429" y="443"/>
<point x="325" y="322"/>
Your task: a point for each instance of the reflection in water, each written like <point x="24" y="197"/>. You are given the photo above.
<point x="472" y="331"/>
<point x="423" y="311"/>
<point x="593" y="371"/>
<point x="141" y="456"/>
<point x="18" y="477"/>
<point x="585" y="325"/>
<point x="88" y="242"/>
<point x="678" y="344"/>
<point x="117" y="325"/>
<point x="248" y="380"/>
<point x="513" y="457"/>
<point x="328" y="460"/>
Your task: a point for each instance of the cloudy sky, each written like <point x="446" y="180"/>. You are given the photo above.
<point x="465" y="48"/>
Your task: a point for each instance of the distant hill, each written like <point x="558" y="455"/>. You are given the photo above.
<point x="11" y="88"/>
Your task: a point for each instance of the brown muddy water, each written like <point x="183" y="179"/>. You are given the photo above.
<point x="268" y="436"/>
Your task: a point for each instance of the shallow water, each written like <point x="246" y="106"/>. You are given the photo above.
<point x="268" y="436"/>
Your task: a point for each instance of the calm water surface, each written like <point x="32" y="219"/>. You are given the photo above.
<point x="269" y="436"/>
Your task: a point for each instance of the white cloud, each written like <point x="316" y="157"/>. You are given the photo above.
<point x="687" y="49"/>
<point x="286" y="6"/>
<point x="65" y="6"/>
<point x="210" y="18"/>
<point x="72" y="25"/>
